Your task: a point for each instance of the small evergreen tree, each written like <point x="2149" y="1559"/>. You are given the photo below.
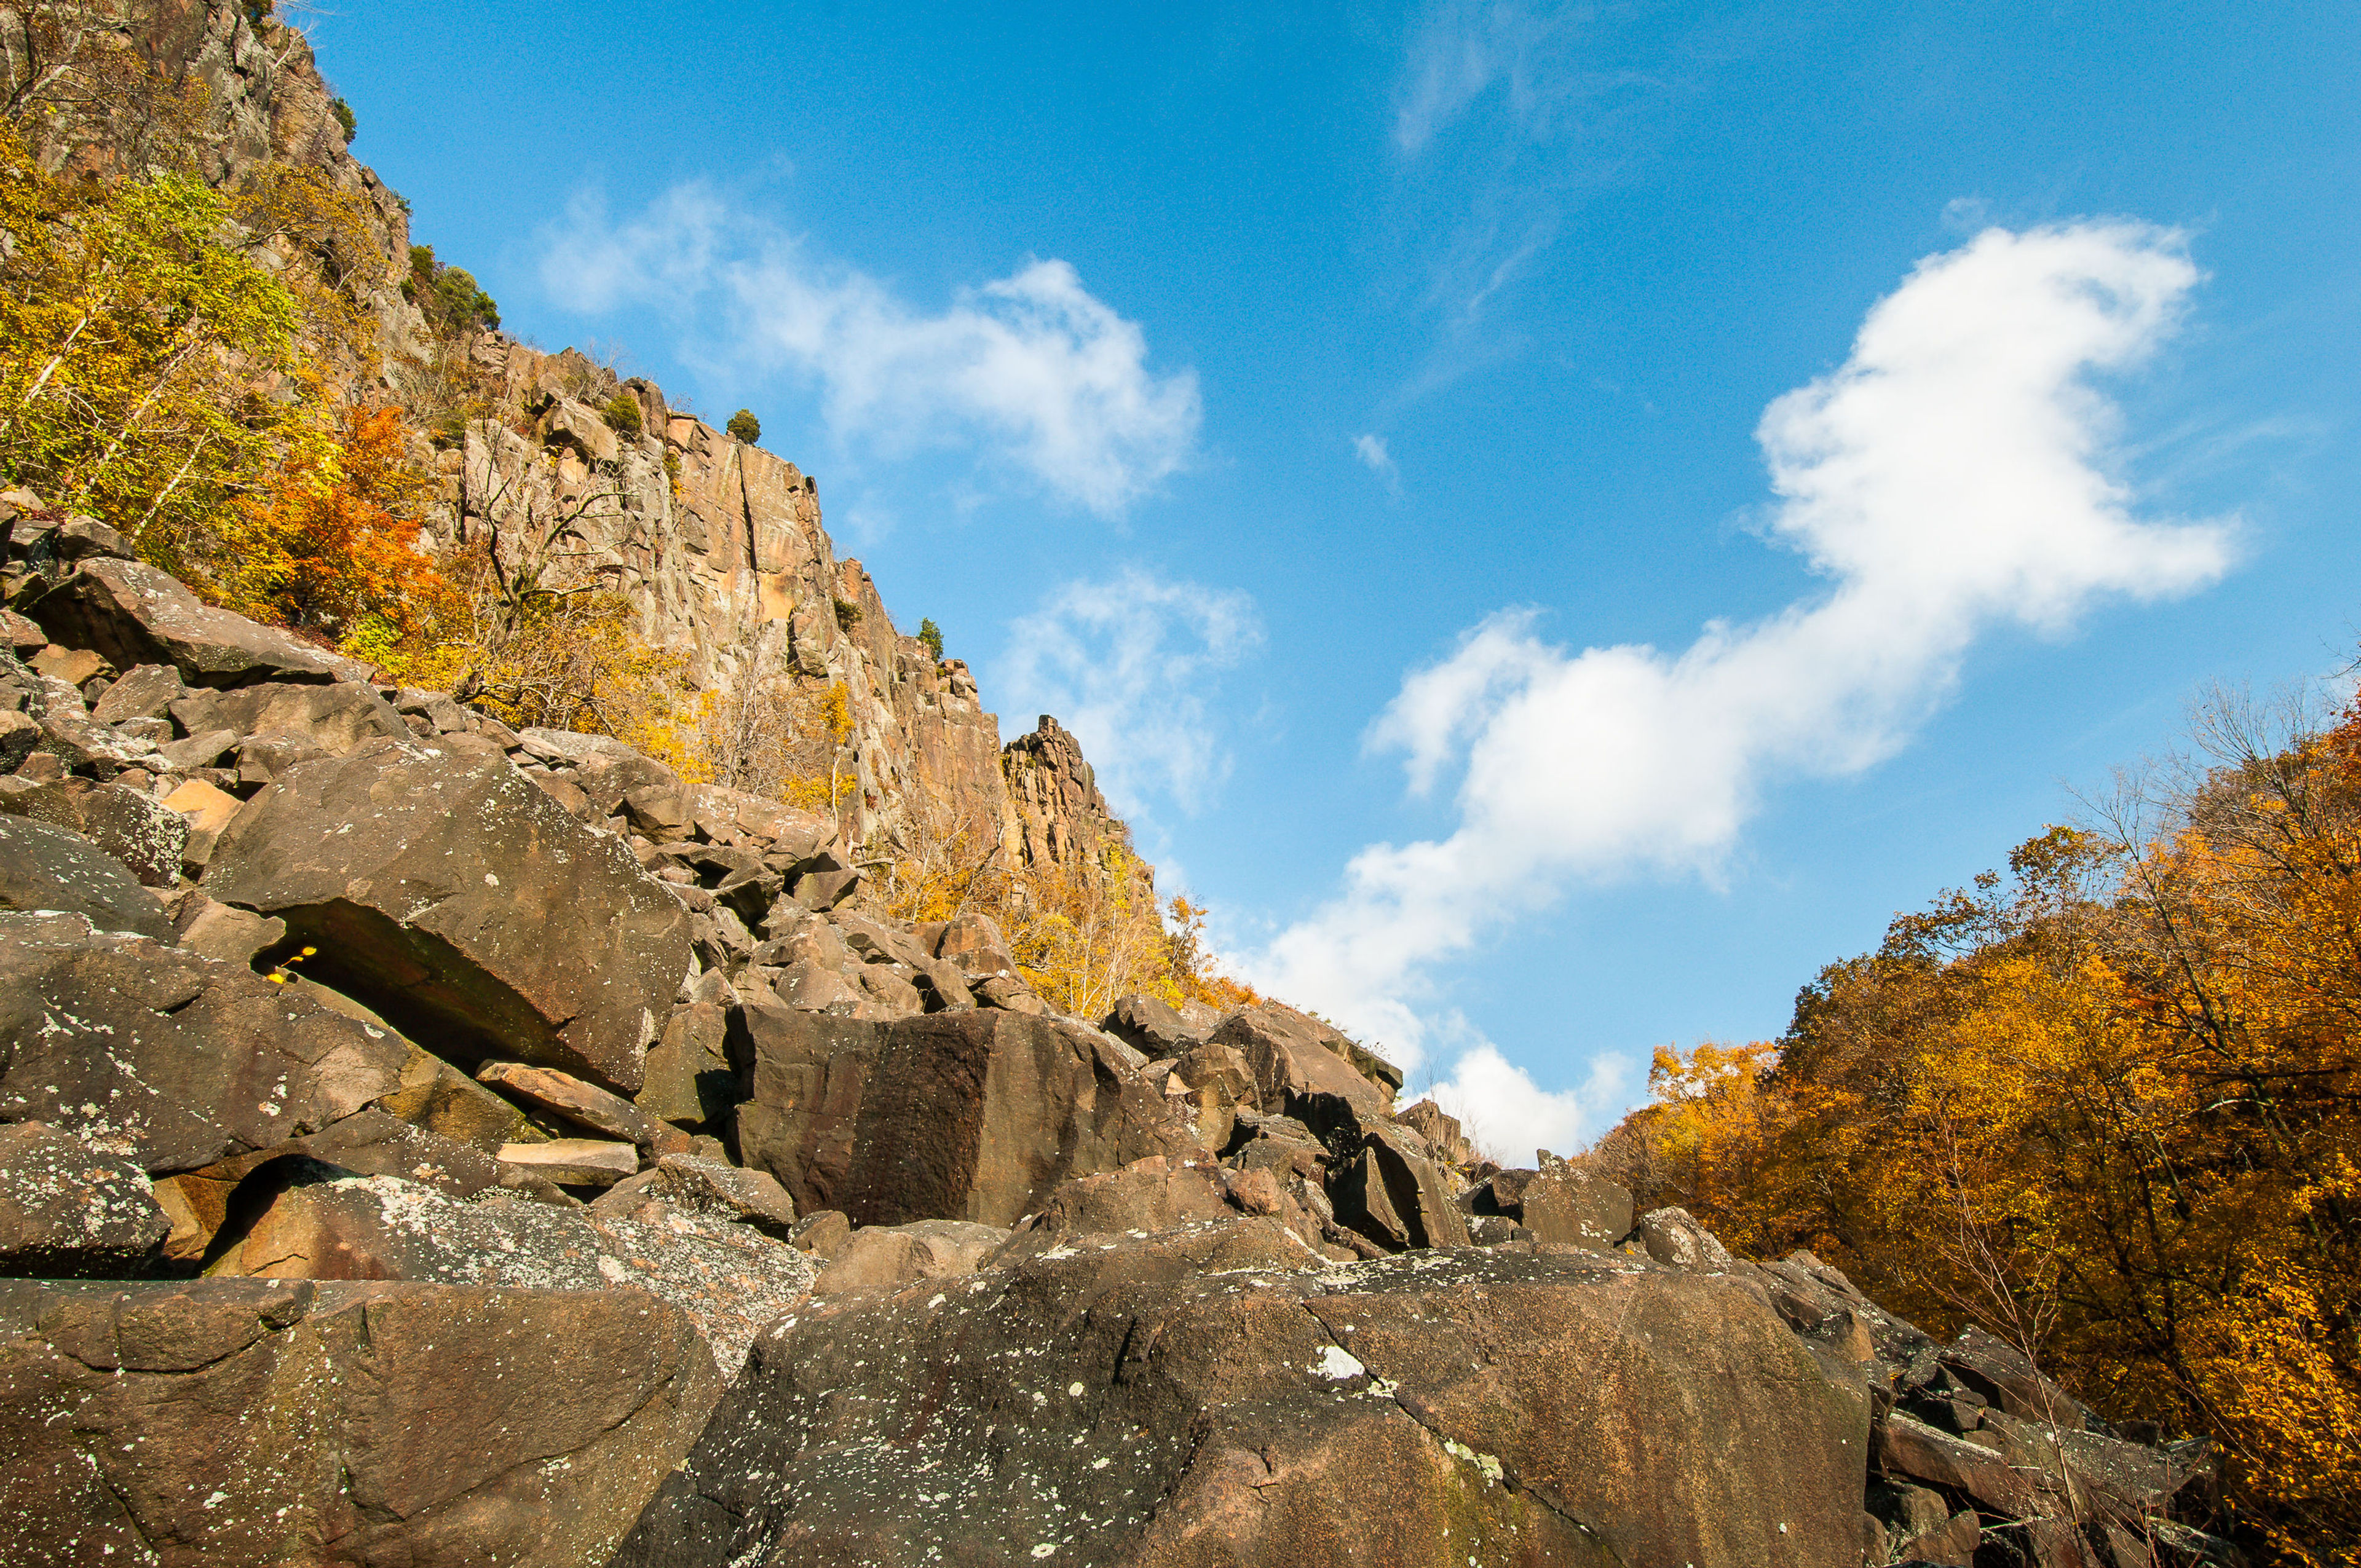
<point x="622" y="415"/>
<point x="932" y="636"/>
<point x="743" y="426"/>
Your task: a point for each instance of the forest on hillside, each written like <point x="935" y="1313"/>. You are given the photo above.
<point x="2108" y="1107"/>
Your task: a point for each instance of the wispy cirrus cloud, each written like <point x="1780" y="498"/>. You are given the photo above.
<point x="1030" y="371"/>
<point x="1131" y="663"/>
<point x="1957" y="474"/>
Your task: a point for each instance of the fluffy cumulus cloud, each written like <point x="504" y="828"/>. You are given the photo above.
<point x="1128" y="664"/>
<point x="1954" y="474"/>
<point x="1031" y="370"/>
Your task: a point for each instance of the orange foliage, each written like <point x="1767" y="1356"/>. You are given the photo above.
<point x="332" y="543"/>
<point x="2112" y="1106"/>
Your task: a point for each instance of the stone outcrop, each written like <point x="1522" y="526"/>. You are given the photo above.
<point x="256" y="1422"/>
<point x="1215" y="1395"/>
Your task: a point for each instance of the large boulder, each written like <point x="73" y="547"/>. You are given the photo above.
<point x="1294" y="1057"/>
<point x="1564" y="1204"/>
<point x="134" y="614"/>
<point x="457" y="899"/>
<point x="1218" y="1396"/>
<point x="68" y="1210"/>
<point x="335" y="719"/>
<point x="974" y="1115"/>
<point x="237" y="1422"/>
<point x="170" y="1059"/>
<point x="45" y="867"/>
<point x="730" y="1279"/>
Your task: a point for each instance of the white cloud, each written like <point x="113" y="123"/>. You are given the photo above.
<point x="1462" y="47"/>
<point x="1031" y="370"/>
<point x="1371" y="451"/>
<point x="1952" y="475"/>
<point x="1508" y="1116"/>
<point x="1128" y="664"/>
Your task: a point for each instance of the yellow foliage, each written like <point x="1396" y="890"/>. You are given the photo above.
<point x="2109" y="1110"/>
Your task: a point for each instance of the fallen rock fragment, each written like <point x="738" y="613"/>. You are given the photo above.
<point x="573" y="1162"/>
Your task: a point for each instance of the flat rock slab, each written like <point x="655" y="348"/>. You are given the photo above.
<point x="244" y="1423"/>
<point x="134" y="614"/>
<point x="729" y="1280"/>
<point x="1213" y="1396"/>
<point x="578" y="1162"/>
<point x="571" y="1098"/>
<point x="168" y="1058"/>
<point x="69" y="1212"/>
<point x="458" y="900"/>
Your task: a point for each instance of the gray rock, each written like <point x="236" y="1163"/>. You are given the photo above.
<point x="1563" y="1204"/>
<point x="949" y="1116"/>
<point x="1672" y="1236"/>
<point x="165" y="1057"/>
<point x="239" y="1421"/>
<point x="45" y="867"/>
<point x="729" y="1280"/>
<point x="333" y="720"/>
<point x="68" y="1210"/>
<point x="460" y="902"/>
<point x="146" y="691"/>
<point x="1218" y="1395"/>
<point x="883" y="1257"/>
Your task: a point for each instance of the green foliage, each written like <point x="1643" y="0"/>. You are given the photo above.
<point x="450" y="297"/>
<point x="932" y="636"/>
<point x="344" y="113"/>
<point x="743" y="426"/>
<point x="134" y="338"/>
<point x="622" y="415"/>
<point x="848" y="616"/>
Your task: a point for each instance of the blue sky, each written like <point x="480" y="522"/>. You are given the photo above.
<point x="1289" y="398"/>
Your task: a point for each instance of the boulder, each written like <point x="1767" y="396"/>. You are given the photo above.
<point x="1216" y="1396"/>
<point x="1155" y="1194"/>
<point x="463" y="904"/>
<point x="729" y="1280"/>
<point x="949" y="1116"/>
<point x="133" y="614"/>
<point x="688" y="1080"/>
<point x="138" y="832"/>
<point x="1292" y="1059"/>
<point x="146" y="691"/>
<point x="250" y="1421"/>
<point x="883" y="1257"/>
<point x="1151" y="1026"/>
<point x="1393" y="1194"/>
<point x="1672" y="1236"/>
<point x="1444" y="1137"/>
<point x="1564" y="1204"/>
<point x="171" y="1059"/>
<point x="68" y="1210"/>
<point x="569" y="1097"/>
<point x="438" y="1097"/>
<point x="47" y="868"/>
<point x="751" y="1197"/>
<point x="973" y="943"/>
<point x="227" y="1195"/>
<point x="332" y="719"/>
